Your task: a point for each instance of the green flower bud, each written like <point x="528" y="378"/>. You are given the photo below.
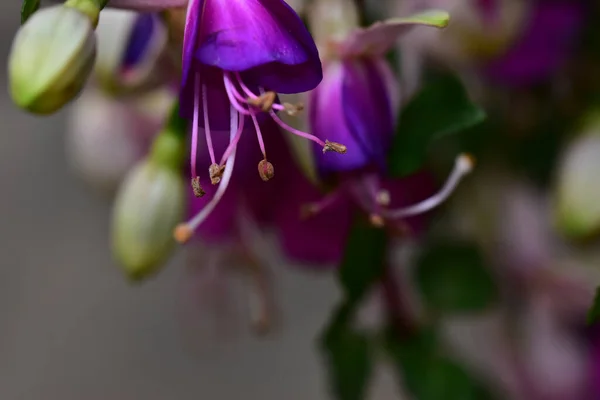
<point x="149" y="205"/>
<point x="51" y="58"/>
<point x="577" y="202"/>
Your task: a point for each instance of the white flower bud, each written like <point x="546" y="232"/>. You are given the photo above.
<point x="51" y="58"/>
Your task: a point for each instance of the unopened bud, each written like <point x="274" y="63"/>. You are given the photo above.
<point x="197" y="188"/>
<point x="264" y="101"/>
<point x="216" y="172"/>
<point x="51" y="58"/>
<point x="266" y="170"/>
<point x="577" y="192"/>
<point x="149" y="204"/>
<point x="333" y="146"/>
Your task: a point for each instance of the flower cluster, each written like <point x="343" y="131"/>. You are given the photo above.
<point x="232" y="127"/>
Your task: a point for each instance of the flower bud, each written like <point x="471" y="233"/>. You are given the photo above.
<point x="51" y="58"/>
<point x="131" y="51"/>
<point x="149" y="205"/>
<point x="577" y="203"/>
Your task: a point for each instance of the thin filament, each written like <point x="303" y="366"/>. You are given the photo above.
<point x="205" y="212"/>
<point x="233" y="143"/>
<point x="261" y="142"/>
<point x="209" y="143"/>
<point x="295" y="131"/>
<point x="195" y="125"/>
<point x="462" y="167"/>
<point x="234" y="102"/>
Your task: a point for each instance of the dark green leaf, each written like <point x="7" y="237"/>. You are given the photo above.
<point x="28" y="8"/>
<point x="441" y="108"/>
<point x="363" y="262"/>
<point x="594" y="311"/>
<point x="348" y="357"/>
<point x="430" y="375"/>
<point x="452" y="277"/>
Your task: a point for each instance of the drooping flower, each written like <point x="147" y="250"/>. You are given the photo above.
<point x="357" y="104"/>
<point x="543" y="46"/>
<point x="236" y="56"/>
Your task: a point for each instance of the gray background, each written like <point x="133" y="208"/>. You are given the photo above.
<point x="71" y="328"/>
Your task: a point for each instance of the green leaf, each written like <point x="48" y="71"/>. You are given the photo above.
<point x="363" y="262"/>
<point x="428" y="374"/>
<point x="28" y="8"/>
<point x="442" y="107"/>
<point x="593" y="315"/>
<point x="452" y="278"/>
<point x="347" y="356"/>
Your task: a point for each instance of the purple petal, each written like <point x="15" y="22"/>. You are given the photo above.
<point x="139" y="40"/>
<point x="353" y="106"/>
<point x="320" y="239"/>
<point x="545" y="45"/>
<point x="263" y="38"/>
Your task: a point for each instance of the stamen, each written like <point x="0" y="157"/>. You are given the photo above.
<point x="333" y="146"/>
<point x="296" y="131"/>
<point x="292" y="109"/>
<point x="261" y="142"/>
<point x="195" y="126"/>
<point x="184" y="231"/>
<point x="245" y="88"/>
<point x="383" y="198"/>
<point x="463" y="166"/>
<point x="266" y="170"/>
<point x="265" y="101"/>
<point x="232" y="99"/>
<point x="211" y="151"/>
<point x="312" y="209"/>
<point x="376" y="220"/>
<point x="233" y="144"/>
<point x="215" y="172"/>
<point x="197" y="188"/>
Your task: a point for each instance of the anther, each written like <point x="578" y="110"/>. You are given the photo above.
<point x="293" y="109"/>
<point x="197" y="188"/>
<point x="183" y="233"/>
<point x="266" y="170"/>
<point x="333" y="146"/>
<point x="383" y="198"/>
<point x="264" y="101"/>
<point x="216" y="172"/>
<point x="376" y="220"/>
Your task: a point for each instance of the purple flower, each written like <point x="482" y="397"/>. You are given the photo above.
<point x="545" y="44"/>
<point x="357" y="102"/>
<point x="236" y="55"/>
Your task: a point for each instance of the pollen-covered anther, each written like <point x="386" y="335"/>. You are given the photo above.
<point x="293" y="109"/>
<point x="383" y="198"/>
<point x="183" y="233"/>
<point x="265" y="101"/>
<point x="376" y="220"/>
<point x="197" y="188"/>
<point x="216" y="172"/>
<point x="466" y="162"/>
<point x="309" y="210"/>
<point x="266" y="170"/>
<point x="333" y="146"/>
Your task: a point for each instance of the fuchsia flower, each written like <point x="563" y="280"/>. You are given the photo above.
<point x="357" y="104"/>
<point x="546" y="42"/>
<point x="236" y="55"/>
